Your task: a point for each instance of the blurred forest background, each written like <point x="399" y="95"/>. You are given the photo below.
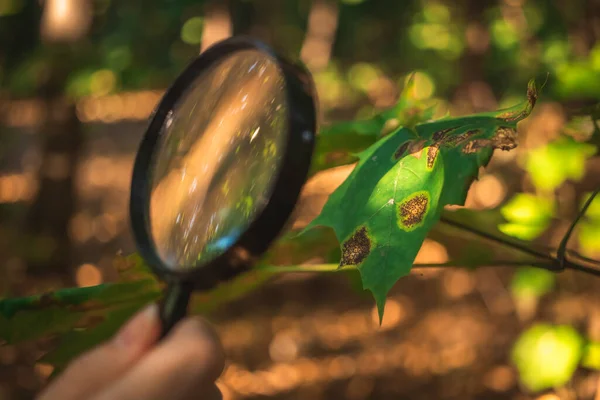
<point x="78" y="79"/>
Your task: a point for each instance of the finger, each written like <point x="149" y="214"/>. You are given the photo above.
<point x="106" y="363"/>
<point x="189" y="360"/>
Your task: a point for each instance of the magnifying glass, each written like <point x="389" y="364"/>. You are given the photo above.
<point x="220" y="168"/>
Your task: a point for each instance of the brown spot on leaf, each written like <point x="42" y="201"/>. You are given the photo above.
<point x="416" y="148"/>
<point x="401" y="150"/>
<point x="458" y="139"/>
<point x="475" y="145"/>
<point x="505" y="138"/>
<point x="412" y="211"/>
<point x="432" y="152"/>
<point x="356" y="248"/>
<point x="511" y="117"/>
<point x="532" y="95"/>
<point x="440" y="135"/>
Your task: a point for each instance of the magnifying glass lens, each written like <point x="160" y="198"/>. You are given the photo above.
<point x="216" y="162"/>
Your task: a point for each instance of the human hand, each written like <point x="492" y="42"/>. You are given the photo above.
<point x="133" y="365"/>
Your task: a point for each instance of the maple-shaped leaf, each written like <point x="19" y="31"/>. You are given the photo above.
<point x="383" y="211"/>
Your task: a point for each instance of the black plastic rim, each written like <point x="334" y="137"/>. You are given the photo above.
<point x="293" y="171"/>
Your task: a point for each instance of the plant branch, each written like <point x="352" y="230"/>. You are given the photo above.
<point x="499" y="240"/>
<point x="550" y="263"/>
<point x="562" y="248"/>
<point x="276" y="269"/>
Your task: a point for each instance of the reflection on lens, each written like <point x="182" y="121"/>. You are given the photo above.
<point x="215" y="166"/>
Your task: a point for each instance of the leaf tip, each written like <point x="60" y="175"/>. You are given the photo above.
<point x="380" y="302"/>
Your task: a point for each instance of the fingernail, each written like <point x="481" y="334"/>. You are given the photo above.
<point x="137" y="326"/>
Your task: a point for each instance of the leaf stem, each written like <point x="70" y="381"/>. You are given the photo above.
<point x="280" y="269"/>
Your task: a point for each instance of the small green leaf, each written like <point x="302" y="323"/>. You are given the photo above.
<point x="528" y="209"/>
<point x="549" y="166"/>
<point x="523" y="232"/>
<point x="528" y="216"/>
<point x="527" y="286"/>
<point x="589" y="237"/>
<point x="591" y="356"/>
<point x="532" y="282"/>
<point x="546" y="356"/>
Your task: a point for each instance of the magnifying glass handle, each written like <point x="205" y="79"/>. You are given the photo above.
<point x="174" y="305"/>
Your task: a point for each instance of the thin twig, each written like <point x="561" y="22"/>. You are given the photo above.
<point x="552" y="263"/>
<point x="502" y="241"/>
<point x="562" y="248"/>
<point x="582" y="257"/>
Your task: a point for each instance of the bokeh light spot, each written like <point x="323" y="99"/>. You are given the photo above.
<point x="191" y="32"/>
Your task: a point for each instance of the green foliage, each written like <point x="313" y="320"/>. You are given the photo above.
<point x="528" y="216"/>
<point x="551" y="165"/>
<point x="528" y="285"/>
<point x="591" y="356"/>
<point x="339" y="143"/>
<point x="81" y="318"/>
<point x="589" y="227"/>
<point x="383" y="211"/>
<point x="546" y="356"/>
<point x="531" y="282"/>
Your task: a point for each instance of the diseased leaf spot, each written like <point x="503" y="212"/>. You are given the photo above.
<point x="458" y="139"/>
<point x="416" y="147"/>
<point x="440" y="135"/>
<point x="412" y="210"/>
<point x="401" y="150"/>
<point x="504" y="139"/>
<point x="356" y="248"/>
<point x="475" y="145"/>
<point x="432" y="152"/>
<point x="532" y="95"/>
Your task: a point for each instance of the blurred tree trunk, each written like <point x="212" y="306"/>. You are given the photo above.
<point x="473" y="94"/>
<point x="217" y="24"/>
<point x="49" y="249"/>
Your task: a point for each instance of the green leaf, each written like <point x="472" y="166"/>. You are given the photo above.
<point x="591" y="356"/>
<point x="76" y="342"/>
<point x="546" y="356"/>
<point x="58" y="312"/>
<point x="589" y="237"/>
<point x="383" y="211"/>
<point x="549" y="166"/>
<point x="528" y="215"/>
<point x="532" y="282"/>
